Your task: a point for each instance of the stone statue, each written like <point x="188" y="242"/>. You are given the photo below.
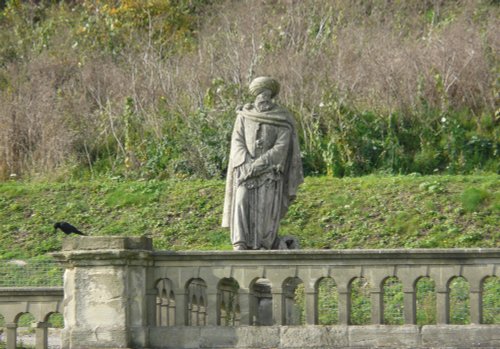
<point x="264" y="172"/>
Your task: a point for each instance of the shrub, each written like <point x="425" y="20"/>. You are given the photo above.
<point x="110" y="86"/>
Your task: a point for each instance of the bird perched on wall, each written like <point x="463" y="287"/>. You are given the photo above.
<point x="67" y="228"/>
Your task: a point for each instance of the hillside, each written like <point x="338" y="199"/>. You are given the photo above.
<point x="363" y="212"/>
<point x="148" y="89"/>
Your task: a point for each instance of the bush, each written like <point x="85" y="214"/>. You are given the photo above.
<point x="109" y="87"/>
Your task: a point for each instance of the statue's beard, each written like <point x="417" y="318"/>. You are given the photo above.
<point x="264" y="105"/>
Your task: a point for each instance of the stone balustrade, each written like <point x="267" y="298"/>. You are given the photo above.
<point x="310" y="267"/>
<point x="121" y="293"/>
<point x="41" y="302"/>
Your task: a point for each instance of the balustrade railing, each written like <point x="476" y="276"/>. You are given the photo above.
<point x="118" y="292"/>
<point x="283" y="288"/>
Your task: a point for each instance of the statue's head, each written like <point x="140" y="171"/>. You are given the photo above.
<point x="264" y="89"/>
<point x="258" y="85"/>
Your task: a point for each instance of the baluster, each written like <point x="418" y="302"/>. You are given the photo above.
<point x="194" y="315"/>
<point x="171" y="313"/>
<point x="158" y="310"/>
<point x="442" y="306"/>
<point x="311" y="307"/>
<point x="11" y="333"/>
<point x="476" y="304"/>
<point x="164" y="311"/>
<point x="344" y="306"/>
<point x="244" y="303"/>
<point x="202" y="315"/>
<point x="153" y="305"/>
<point x="41" y="335"/>
<point x="181" y="305"/>
<point x="377" y="300"/>
<point x="278" y="306"/>
<point x="212" y="308"/>
<point x="410" y="307"/>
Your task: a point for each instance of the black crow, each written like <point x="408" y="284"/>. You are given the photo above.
<point x="67" y="228"/>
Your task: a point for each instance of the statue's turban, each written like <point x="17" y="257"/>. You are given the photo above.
<point x="264" y="83"/>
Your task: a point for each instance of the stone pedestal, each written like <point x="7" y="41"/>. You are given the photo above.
<point x="105" y="292"/>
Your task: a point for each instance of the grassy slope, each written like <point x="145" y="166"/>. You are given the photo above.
<point x="365" y="212"/>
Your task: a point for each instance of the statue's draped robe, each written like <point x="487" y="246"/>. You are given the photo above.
<point x="256" y="200"/>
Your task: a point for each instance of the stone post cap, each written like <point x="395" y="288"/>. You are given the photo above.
<point x="90" y="243"/>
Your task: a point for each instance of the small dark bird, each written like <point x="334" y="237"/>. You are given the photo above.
<point x="67" y="228"/>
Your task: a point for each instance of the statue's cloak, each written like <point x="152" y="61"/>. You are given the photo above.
<point x="292" y="172"/>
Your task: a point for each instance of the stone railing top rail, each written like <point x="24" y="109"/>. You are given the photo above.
<point x="30" y="290"/>
<point x="336" y="254"/>
<point x="123" y="247"/>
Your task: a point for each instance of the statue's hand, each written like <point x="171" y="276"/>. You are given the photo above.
<point x="254" y="169"/>
<point x="245" y="172"/>
<point x="259" y="167"/>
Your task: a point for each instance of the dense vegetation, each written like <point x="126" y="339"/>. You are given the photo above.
<point x="147" y="89"/>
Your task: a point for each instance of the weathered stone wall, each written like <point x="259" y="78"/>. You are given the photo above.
<point x="327" y="337"/>
<point x="119" y="293"/>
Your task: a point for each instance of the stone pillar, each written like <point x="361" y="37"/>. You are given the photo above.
<point x="278" y="316"/>
<point x="377" y="299"/>
<point x="476" y="306"/>
<point x="254" y="308"/>
<point x="311" y="307"/>
<point x="181" y="307"/>
<point x="442" y="307"/>
<point x="152" y="311"/>
<point x="344" y="307"/>
<point x="410" y="307"/>
<point x="212" y="308"/>
<point x="11" y="333"/>
<point x="244" y="303"/>
<point x="106" y="292"/>
<point x="151" y="294"/>
<point x="41" y="335"/>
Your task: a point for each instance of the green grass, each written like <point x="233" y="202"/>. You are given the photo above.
<point x="363" y="212"/>
<point x="472" y="198"/>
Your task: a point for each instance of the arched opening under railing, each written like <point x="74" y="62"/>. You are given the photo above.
<point x="360" y="310"/>
<point x="425" y="289"/>
<point x="261" y="302"/>
<point x="490" y="300"/>
<point x="228" y="300"/>
<point x="196" y="307"/>
<point x="165" y="303"/>
<point x="392" y="289"/>
<point x="459" y="300"/>
<point x="328" y="301"/>
<point x="294" y="308"/>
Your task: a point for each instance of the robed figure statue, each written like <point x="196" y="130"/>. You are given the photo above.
<point x="264" y="172"/>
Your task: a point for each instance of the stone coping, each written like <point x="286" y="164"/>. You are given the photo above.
<point x="344" y="253"/>
<point x="32" y="291"/>
<point x="90" y="243"/>
<point x="462" y="256"/>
